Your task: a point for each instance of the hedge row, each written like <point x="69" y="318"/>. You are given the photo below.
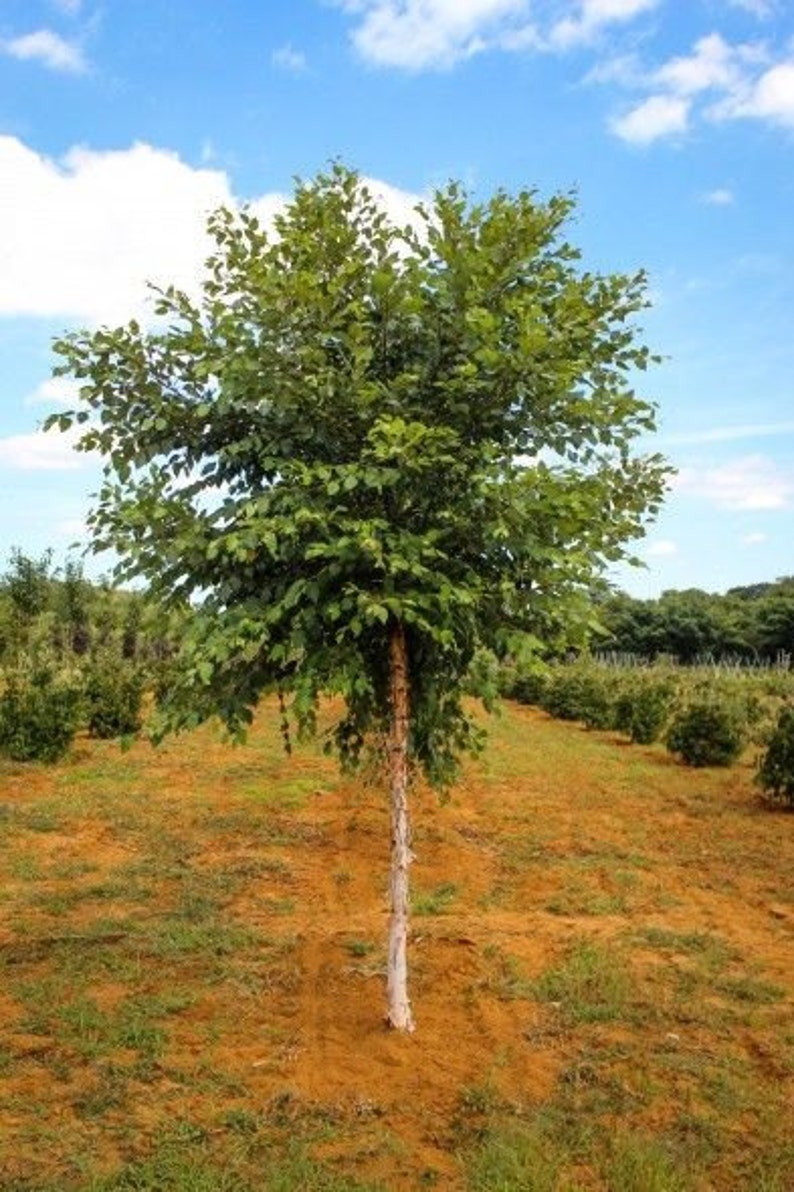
<point x="42" y="707"/>
<point x="704" y="719"/>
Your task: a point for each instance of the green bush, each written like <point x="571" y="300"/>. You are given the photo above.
<point x="39" y="716"/>
<point x="642" y="710"/>
<point x="776" y="768"/>
<point x="483" y="678"/>
<point x="114" y="698"/>
<point x="577" y="694"/>
<point x="706" y="733"/>
<point x="528" y="687"/>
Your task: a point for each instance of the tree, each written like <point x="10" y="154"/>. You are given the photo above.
<point x="364" y="452"/>
<point x="28" y="583"/>
<point x="74" y="603"/>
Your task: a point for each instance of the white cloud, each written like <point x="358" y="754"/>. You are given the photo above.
<point x="770" y="97"/>
<point x="80" y="238"/>
<point x="717" y="81"/>
<point x="592" y="17"/>
<point x="55" y="391"/>
<point x="624" y="69"/>
<point x="713" y="64"/>
<point x="658" y="116"/>
<point x="662" y="548"/>
<point x="754" y="539"/>
<point x="41" y="451"/>
<point x="289" y="59"/>
<point x="752" y="482"/>
<point x="763" y="9"/>
<point x="436" y="34"/>
<point x="427" y="34"/>
<point x="48" y="48"/>
<point x="721" y="197"/>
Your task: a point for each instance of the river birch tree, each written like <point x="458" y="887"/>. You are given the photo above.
<point x="362" y="453"/>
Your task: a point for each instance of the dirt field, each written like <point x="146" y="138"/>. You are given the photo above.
<point x="192" y="945"/>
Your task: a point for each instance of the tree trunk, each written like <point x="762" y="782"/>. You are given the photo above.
<point x="399" y="1015"/>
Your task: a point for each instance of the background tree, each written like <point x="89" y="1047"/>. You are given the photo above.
<point x="27" y="586"/>
<point x="752" y="623"/>
<point x="364" y="452"/>
<point x="74" y="594"/>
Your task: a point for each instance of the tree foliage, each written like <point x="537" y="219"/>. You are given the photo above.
<point x="776" y="766"/>
<point x="358" y="425"/>
<point x="754" y="623"/>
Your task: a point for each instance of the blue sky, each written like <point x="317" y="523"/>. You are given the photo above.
<point x="122" y="124"/>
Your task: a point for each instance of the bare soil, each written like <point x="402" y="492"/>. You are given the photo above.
<point x="192" y="944"/>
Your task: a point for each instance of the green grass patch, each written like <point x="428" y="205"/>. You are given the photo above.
<point x="591" y="984"/>
<point x="436" y="901"/>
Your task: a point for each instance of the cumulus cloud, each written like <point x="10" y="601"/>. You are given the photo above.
<point x="751" y="482"/>
<point x="763" y="9"/>
<point x="422" y="34"/>
<point x="593" y="16"/>
<point x="769" y="97"/>
<point x="40" y="451"/>
<point x="55" y="391"/>
<point x="436" y="34"/>
<point x="47" y="48"/>
<point x="81" y="237"/>
<point x="656" y="117"/>
<point x="717" y="81"/>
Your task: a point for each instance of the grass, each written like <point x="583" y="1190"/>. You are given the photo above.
<point x="511" y="1157"/>
<point x="591" y="984"/>
<point x="193" y="956"/>
<point x="436" y="901"/>
<point x="541" y="1153"/>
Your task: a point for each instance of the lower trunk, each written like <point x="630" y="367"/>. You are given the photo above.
<point x="399" y="1007"/>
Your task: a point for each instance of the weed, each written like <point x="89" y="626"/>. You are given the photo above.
<point x="512" y="1156"/>
<point x="506" y="981"/>
<point x="360" y="948"/>
<point x="711" y="949"/>
<point x="435" y="901"/>
<point x="591" y="985"/>
<point x="750" y="990"/>
<point x="640" y="1164"/>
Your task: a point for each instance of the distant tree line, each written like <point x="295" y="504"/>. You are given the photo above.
<point x="59" y="613"/>
<point x="59" y="610"/>
<point x="752" y="624"/>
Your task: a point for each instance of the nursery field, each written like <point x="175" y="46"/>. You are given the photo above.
<point x="192" y="953"/>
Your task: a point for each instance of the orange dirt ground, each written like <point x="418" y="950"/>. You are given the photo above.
<point x="555" y="836"/>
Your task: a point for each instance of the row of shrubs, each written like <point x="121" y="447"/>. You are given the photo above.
<point x="43" y="706"/>
<point x="703" y="720"/>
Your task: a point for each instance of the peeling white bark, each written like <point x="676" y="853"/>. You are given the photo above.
<point x="399" y="1015"/>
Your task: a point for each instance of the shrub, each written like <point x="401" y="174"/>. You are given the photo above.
<point x="114" y="697"/>
<point x="776" y="768"/>
<point x="528" y="687"/>
<point x="39" y="716"/>
<point x="642" y="710"/>
<point x="706" y="733"/>
<point x="577" y="694"/>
